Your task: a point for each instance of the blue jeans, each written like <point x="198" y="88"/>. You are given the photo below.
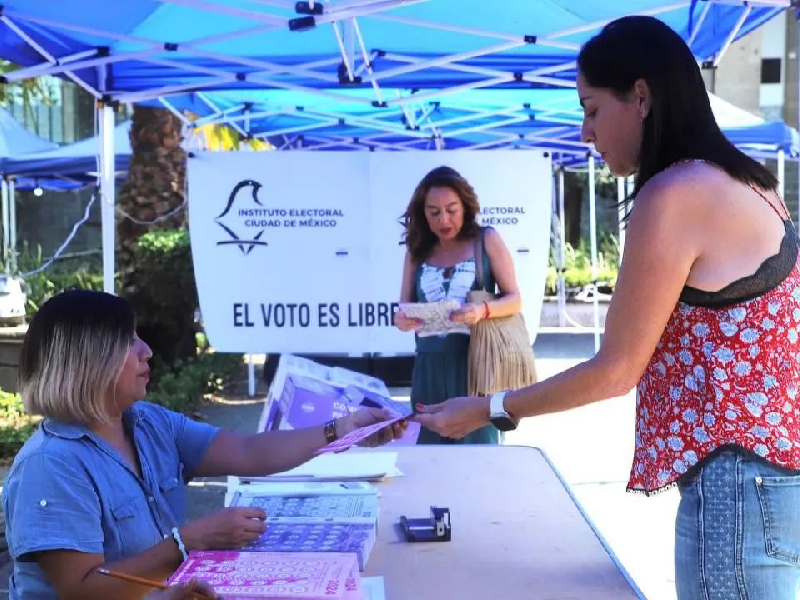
<point x="737" y="533"/>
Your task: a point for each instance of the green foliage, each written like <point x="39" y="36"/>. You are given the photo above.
<point x="578" y="269"/>
<point x="62" y="275"/>
<point x="164" y="295"/>
<point x="184" y="369"/>
<point x="183" y="385"/>
<point x="16" y="425"/>
<point x="180" y="387"/>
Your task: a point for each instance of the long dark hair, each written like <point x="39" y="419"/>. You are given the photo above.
<point x="680" y="124"/>
<point x="418" y="237"/>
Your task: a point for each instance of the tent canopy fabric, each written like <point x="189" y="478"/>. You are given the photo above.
<point x="546" y="118"/>
<point x="140" y="49"/>
<point x="77" y="161"/>
<point x="312" y="122"/>
<point x="15" y="140"/>
<point x="348" y="73"/>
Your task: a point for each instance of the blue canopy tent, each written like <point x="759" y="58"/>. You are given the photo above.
<point x="15" y="141"/>
<point x="542" y="118"/>
<point x="145" y="49"/>
<point x="77" y="161"/>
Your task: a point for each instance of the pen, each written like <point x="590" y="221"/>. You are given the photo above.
<point x="147" y="582"/>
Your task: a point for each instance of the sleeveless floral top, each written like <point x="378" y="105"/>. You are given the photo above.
<point x="723" y="376"/>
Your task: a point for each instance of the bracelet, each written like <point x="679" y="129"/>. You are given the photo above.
<point x="179" y="540"/>
<point x="485" y="310"/>
<point x="330" y="431"/>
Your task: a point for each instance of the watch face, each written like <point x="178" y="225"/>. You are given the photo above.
<point x="504" y="423"/>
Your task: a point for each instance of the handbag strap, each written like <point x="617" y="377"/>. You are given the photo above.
<point x="478" y="251"/>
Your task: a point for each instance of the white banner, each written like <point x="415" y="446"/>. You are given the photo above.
<point x="300" y="251"/>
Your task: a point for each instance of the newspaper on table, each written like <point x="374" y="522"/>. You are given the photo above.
<point x="435" y="317"/>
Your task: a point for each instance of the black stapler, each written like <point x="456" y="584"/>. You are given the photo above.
<point x="436" y="528"/>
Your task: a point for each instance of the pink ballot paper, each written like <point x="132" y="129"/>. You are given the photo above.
<point x="274" y="575"/>
<point x="351" y="439"/>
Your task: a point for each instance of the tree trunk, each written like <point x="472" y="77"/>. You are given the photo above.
<point x="155" y="187"/>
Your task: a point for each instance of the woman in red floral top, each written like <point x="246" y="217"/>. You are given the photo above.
<point x="704" y="322"/>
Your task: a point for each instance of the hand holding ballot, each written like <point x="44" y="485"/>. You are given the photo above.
<point x="371" y="435"/>
<point x="405" y="323"/>
<point x="435" y="317"/>
<point x="381" y="424"/>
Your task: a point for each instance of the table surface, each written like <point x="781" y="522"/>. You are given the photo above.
<point x="517" y="532"/>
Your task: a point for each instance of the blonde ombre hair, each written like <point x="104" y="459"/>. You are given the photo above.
<point x="72" y="356"/>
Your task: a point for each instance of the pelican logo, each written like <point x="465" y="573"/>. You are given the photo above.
<point x="237" y="219"/>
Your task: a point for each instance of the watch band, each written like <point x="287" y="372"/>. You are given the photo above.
<point x="496" y="406"/>
<point x="330" y="431"/>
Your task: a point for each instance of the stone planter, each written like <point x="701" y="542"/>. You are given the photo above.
<point x="578" y="313"/>
<point x="10" y="346"/>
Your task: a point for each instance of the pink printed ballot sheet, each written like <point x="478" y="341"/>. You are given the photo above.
<point x="351" y="439"/>
<point x="274" y="575"/>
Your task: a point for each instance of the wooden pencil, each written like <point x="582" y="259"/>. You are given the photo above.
<point x="142" y="581"/>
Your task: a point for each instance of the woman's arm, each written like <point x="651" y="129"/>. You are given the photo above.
<point x="661" y="245"/>
<point x="278" y="451"/>
<point x="407" y="289"/>
<point x="407" y="282"/>
<point x="54" y="516"/>
<point x="510" y="301"/>
<point x="74" y="574"/>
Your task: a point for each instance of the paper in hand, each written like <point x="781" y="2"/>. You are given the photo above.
<point x="380" y="401"/>
<point x="357" y="435"/>
<point x="435" y="317"/>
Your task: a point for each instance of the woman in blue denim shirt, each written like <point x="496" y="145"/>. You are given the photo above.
<point x="102" y="481"/>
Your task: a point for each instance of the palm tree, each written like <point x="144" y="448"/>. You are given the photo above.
<point x="156" y="179"/>
<point x="154" y="189"/>
<point x="154" y="186"/>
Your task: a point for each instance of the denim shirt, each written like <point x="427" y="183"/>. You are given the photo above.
<point x="69" y="489"/>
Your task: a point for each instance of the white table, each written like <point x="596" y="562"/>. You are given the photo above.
<point x="517" y="532"/>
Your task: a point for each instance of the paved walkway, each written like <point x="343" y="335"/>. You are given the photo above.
<point x="591" y="447"/>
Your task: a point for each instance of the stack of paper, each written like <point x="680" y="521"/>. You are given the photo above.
<point x="279" y="576"/>
<point x="350" y="466"/>
<point x="324" y="523"/>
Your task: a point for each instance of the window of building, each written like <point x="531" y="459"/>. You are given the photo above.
<point x="772" y="113"/>
<point x="771" y="70"/>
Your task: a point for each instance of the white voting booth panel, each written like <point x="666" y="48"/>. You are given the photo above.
<point x="301" y="251"/>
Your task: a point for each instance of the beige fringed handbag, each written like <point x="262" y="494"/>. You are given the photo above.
<point x="500" y="352"/>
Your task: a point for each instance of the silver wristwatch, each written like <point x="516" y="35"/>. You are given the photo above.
<point x="497" y="412"/>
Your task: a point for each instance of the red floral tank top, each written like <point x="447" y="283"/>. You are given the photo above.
<point x="721" y="376"/>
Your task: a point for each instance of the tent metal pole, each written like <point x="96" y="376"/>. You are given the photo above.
<point x="732" y="35"/>
<point x="698" y="24"/>
<point x="107" y="195"/>
<point x="593" y="249"/>
<point x="6" y="228"/>
<point x="12" y="225"/>
<point x="562" y="235"/>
